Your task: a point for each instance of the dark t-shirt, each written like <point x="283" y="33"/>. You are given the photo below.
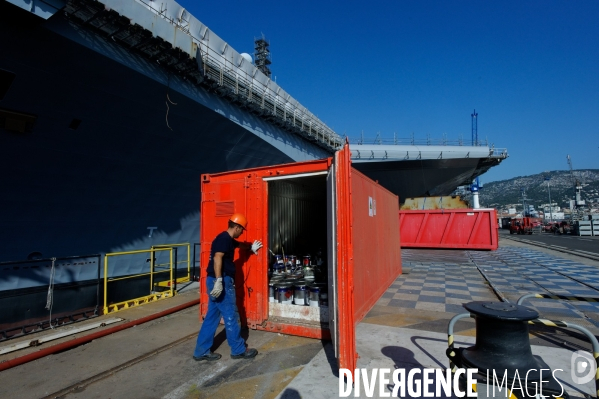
<point x="226" y="244"/>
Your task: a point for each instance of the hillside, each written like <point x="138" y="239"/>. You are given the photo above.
<point x="508" y="193"/>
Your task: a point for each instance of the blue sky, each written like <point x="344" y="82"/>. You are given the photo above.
<point x="529" y="68"/>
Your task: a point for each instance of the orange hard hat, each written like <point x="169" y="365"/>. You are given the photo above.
<point x="239" y="219"/>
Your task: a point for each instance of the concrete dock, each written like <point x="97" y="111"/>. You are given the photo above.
<point x="406" y="329"/>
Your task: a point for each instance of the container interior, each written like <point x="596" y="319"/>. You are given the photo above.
<point x="297" y="235"/>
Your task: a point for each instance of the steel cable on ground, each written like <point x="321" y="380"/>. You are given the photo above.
<point x="502" y="297"/>
<point x="566" y="251"/>
<point x="521" y="274"/>
<point x="565" y="275"/>
<point x="495" y="289"/>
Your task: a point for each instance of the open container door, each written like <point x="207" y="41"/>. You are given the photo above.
<point x="221" y="197"/>
<point x="342" y="323"/>
<point x="364" y="250"/>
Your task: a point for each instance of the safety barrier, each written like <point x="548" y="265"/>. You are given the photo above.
<point x="162" y="266"/>
<point x="595" y="226"/>
<point x="154" y="295"/>
<point x="195" y="273"/>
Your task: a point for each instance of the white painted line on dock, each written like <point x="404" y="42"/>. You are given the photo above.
<point x="60" y="334"/>
<point x="557" y="246"/>
<point x="587" y="252"/>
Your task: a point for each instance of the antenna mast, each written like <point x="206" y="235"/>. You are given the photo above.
<point x="262" y="55"/>
<point x="475" y="183"/>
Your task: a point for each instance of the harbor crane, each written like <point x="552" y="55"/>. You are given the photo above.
<point x="579" y="203"/>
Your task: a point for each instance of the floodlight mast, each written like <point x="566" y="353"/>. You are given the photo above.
<point x="579" y="203"/>
<point x="262" y="55"/>
<point x="475" y="186"/>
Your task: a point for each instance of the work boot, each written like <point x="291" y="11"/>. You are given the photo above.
<point x="248" y="354"/>
<point x="210" y="356"/>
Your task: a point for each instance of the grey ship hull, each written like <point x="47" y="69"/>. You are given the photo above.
<point x="98" y="188"/>
<point x="98" y="144"/>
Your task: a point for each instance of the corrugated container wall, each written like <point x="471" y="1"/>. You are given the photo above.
<point x="449" y="228"/>
<point x="377" y="253"/>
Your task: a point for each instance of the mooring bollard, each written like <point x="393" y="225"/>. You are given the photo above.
<point x="502" y="350"/>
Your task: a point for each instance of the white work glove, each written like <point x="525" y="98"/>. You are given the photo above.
<point x="256" y="246"/>
<point x="218" y="288"/>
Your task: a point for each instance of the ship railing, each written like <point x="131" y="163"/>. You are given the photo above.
<point x="216" y="64"/>
<point x="29" y="284"/>
<point x="154" y="276"/>
<point x="494" y="152"/>
<point x="416" y="141"/>
<point x="238" y="85"/>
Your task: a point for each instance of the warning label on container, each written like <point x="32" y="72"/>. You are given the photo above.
<point x="371" y="206"/>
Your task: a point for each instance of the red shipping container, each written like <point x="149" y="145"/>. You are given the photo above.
<point x="449" y="228"/>
<point x="299" y="208"/>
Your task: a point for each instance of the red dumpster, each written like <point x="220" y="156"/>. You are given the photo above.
<point x="325" y="209"/>
<point x="449" y="228"/>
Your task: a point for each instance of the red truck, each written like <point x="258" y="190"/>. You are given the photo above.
<point x="521" y="226"/>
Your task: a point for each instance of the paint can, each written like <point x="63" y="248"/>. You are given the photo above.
<point x="306" y="260"/>
<point x="308" y="273"/>
<point x="284" y="293"/>
<point x="278" y="267"/>
<point x="317" y="290"/>
<point x="301" y="294"/>
<point x="271" y="291"/>
<point x="290" y="264"/>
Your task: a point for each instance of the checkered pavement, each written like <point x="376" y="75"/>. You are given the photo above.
<point x="433" y="280"/>
<point x="517" y="271"/>
<point x="444" y="280"/>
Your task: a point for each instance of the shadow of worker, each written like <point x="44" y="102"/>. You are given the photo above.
<point x="290" y="393"/>
<point x="409" y="373"/>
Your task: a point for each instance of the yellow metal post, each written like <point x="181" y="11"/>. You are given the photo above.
<point x="105" y="310"/>
<point x="172" y="281"/>
<point x="189" y="261"/>
<point x="152" y="268"/>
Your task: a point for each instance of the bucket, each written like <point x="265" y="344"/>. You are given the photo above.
<point x="308" y="273"/>
<point x="301" y="294"/>
<point x="284" y="293"/>
<point x="278" y="267"/>
<point x="271" y="291"/>
<point x="316" y="292"/>
<point x="306" y="260"/>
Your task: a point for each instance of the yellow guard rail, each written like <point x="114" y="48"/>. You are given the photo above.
<point x="154" y="296"/>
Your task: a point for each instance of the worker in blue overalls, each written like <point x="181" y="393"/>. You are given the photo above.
<point x="221" y="286"/>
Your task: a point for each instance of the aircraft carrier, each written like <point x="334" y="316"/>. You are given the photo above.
<point x="110" y="111"/>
